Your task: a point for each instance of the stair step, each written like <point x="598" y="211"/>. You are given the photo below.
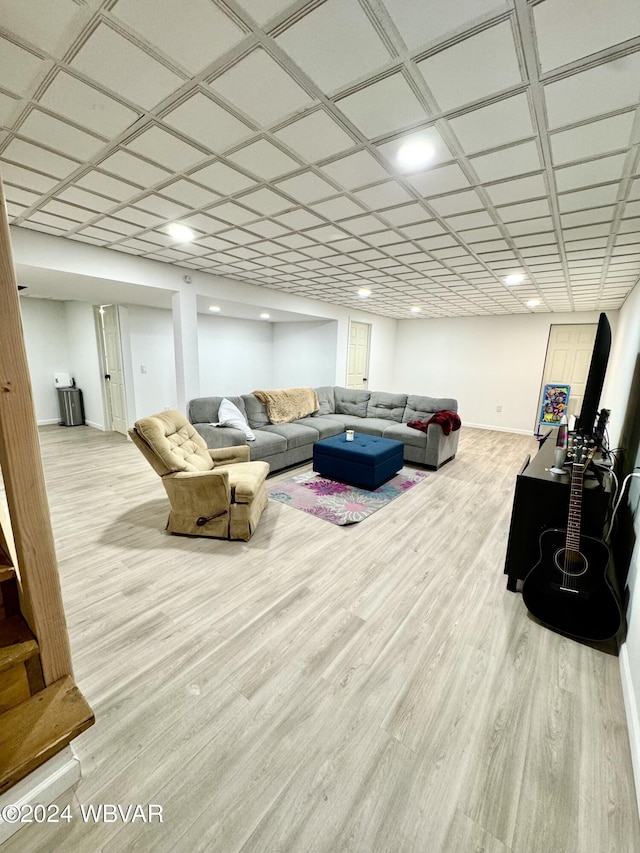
<point x="7" y="573"/>
<point x="17" y="643"/>
<point x="38" y="728"/>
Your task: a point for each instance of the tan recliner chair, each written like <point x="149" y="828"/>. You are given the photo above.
<point x="217" y="493"/>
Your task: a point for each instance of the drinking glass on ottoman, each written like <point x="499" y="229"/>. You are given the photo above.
<point x="368" y="461"/>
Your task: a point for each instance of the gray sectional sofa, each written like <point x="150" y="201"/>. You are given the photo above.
<point x="371" y="412"/>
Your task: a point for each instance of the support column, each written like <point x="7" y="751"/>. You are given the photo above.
<point x="185" y="341"/>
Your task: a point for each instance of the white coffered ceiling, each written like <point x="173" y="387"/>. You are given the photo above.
<point x="272" y="128"/>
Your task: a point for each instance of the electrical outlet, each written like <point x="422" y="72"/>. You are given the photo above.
<point x="498" y="408"/>
<point x="143" y="368"/>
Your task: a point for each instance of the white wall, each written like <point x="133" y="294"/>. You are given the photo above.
<point x="624" y="398"/>
<point x="84" y="359"/>
<point x="236" y="356"/>
<point x="304" y="353"/>
<point x="46" y="340"/>
<point x="484" y="362"/>
<point x="150" y="343"/>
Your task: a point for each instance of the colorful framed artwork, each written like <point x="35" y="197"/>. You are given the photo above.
<point x="554" y="404"/>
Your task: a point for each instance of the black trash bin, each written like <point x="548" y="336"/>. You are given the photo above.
<point x="71" y="407"/>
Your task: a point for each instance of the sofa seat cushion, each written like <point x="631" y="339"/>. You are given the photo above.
<point x="267" y="444"/>
<point x="371" y="426"/>
<point x="346" y="421"/>
<point x="295" y="434"/>
<point x="420" y="408"/>
<point x="408" y="435"/>
<point x="326" y="427"/>
<point x="386" y="406"/>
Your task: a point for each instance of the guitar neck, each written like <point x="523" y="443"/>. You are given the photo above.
<point x="575" y="508"/>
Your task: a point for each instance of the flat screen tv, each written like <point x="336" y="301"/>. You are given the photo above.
<point x="595" y="378"/>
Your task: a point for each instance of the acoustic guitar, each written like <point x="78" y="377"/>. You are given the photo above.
<point x="568" y="589"/>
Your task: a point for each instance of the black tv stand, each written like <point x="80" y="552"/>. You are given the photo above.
<point x="541" y="501"/>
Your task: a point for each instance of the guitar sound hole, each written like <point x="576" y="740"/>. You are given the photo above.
<point x="571" y="563"/>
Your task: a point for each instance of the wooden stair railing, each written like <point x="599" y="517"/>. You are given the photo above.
<point x="41" y="709"/>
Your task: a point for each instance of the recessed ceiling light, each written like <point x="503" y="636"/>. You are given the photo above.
<point x="533" y="303"/>
<point x="414" y="154"/>
<point x="514" y="278"/>
<point x="416" y="310"/>
<point x="364" y="291"/>
<point x="265" y="316"/>
<point x="180" y="232"/>
<point x="214" y="308"/>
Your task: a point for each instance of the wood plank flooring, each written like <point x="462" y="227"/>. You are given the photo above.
<point x="369" y="689"/>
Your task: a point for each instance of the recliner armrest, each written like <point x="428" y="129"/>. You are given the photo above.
<point x="230" y="455"/>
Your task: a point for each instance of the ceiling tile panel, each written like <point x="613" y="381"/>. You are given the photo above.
<point x="264" y="159"/>
<point x="337" y="208"/>
<point x="265" y="201"/>
<point x="508" y="162"/>
<point x="263" y="10"/>
<point x="87" y="106"/>
<point x="315" y="136"/>
<point x="589" y="140"/>
<point x="460" y="74"/>
<point x="166" y="149"/>
<point x="603" y="89"/>
<point x="25" y="153"/>
<point x="429" y="20"/>
<point x="383" y="107"/>
<point x="383" y="195"/>
<point x="306" y="187"/>
<point x="334" y="44"/>
<point x="261" y="88"/>
<point x="588" y="198"/>
<point x="437" y="181"/>
<point x="355" y="170"/>
<point x="570" y="29"/>
<point x="207" y="123"/>
<point x="222" y="178"/>
<point x="194" y="40"/>
<point x="107" y="185"/>
<point x="189" y="194"/>
<point x="457" y="203"/>
<point x="41" y="24"/>
<point x="518" y="190"/>
<point x="60" y="135"/>
<point x="592" y="172"/>
<point x="498" y="124"/>
<point x="125" y="69"/>
<point x="19" y="68"/>
<point x="81" y="197"/>
<point x="132" y="168"/>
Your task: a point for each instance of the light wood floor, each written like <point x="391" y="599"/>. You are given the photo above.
<point x="370" y="689"/>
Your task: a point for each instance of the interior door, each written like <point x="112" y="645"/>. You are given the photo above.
<point x="568" y="357"/>
<point x="358" y="367"/>
<point x="114" y="375"/>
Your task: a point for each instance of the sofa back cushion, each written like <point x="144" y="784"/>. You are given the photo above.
<point x="422" y="408"/>
<point x="351" y="401"/>
<point x="389" y="407"/>
<point x="204" y="410"/>
<point x="256" y="411"/>
<point x="326" y="400"/>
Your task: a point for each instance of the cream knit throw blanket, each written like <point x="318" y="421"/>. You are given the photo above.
<point x="288" y="404"/>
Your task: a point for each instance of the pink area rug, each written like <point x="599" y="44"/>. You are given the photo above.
<point x="338" y="502"/>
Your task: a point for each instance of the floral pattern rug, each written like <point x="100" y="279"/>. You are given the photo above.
<point x="338" y="502"/>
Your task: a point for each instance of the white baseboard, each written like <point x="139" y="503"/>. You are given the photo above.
<point x="48" y="421"/>
<point x="42" y="787"/>
<point x="633" y="720"/>
<point x="95" y="425"/>
<point x="498" y="428"/>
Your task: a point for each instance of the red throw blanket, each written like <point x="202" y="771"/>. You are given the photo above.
<point x="449" y="421"/>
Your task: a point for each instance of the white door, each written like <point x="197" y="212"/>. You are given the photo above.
<point x="568" y="358"/>
<point x="113" y="373"/>
<point x="358" y="367"/>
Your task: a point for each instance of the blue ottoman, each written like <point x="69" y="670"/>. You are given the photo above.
<point x="367" y="461"/>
